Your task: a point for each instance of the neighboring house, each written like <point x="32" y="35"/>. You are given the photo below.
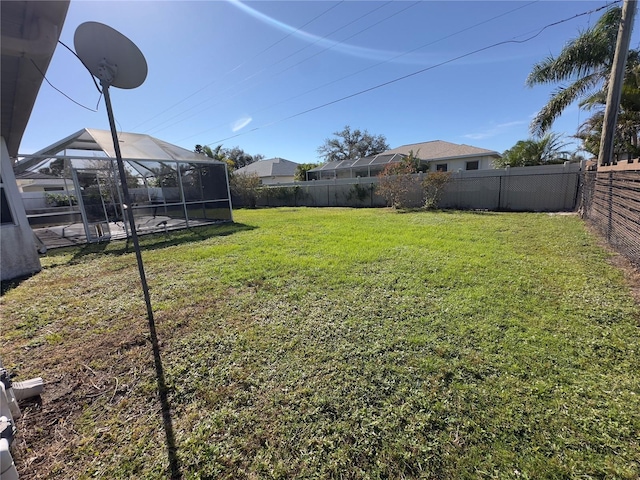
<point x="272" y="171"/>
<point x="362" y="167"/>
<point x="29" y="35"/>
<point x="36" y="182"/>
<point x="436" y="155"/>
<point x="449" y="157"/>
<point x="35" y="189"/>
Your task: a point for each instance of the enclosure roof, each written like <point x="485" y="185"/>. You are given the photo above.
<point x="133" y="146"/>
<point x="380" y="159"/>
<point x="441" y="150"/>
<point x="273" y="167"/>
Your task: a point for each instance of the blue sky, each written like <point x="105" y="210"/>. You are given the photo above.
<point x="220" y="72"/>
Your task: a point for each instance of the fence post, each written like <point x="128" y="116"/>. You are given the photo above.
<point x="610" y="208"/>
<point x="499" y="191"/>
<point x="371" y="189"/>
<point x="504" y="185"/>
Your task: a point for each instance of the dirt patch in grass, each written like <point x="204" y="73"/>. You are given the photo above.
<point x="97" y="374"/>
<point x="109" y="372"/>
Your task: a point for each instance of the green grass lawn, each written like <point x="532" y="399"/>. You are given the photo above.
<point x="335" y="343"/>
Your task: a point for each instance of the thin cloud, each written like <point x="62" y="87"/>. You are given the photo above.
<point x="240" y="123"/>
<point x="495" y="130"/>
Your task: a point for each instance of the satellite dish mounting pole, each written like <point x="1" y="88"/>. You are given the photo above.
<point x="117" y="62"/>
<point x="105" y="81"/>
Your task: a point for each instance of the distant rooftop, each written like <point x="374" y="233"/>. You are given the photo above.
<point x="440" y="150"/>
<point x="273" y="167"/>
<point x="35" y="176"/>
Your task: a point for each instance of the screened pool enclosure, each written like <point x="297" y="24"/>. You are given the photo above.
<point x="81" y="199"/>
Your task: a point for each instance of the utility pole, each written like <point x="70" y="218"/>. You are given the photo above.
<point x="615" y="83"/>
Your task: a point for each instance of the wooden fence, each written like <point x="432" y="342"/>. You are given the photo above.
<point x="610" y="202"/>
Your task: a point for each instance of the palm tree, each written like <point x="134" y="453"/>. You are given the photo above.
<point x="548" y="149"/>
<point x="627" y="133"/>
<point x="585" y="63"/>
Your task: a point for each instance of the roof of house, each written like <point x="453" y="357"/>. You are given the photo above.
<point x="133" y="146"/>
<point x="273" y="167"/>
<point x="441" y="150"/>
<point x="28" y="175"/>
<point x="30" y="32"/>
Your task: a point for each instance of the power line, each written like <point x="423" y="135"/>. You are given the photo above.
<point x="199" y="106"/>
<point x="350" y="37"/>
<point x="370" y="66"/>
<point x="330" y="47"/>
<point x="418" y="72"/>
<point x="309" y="45"/>
<point x="398" y="56"/>
<point x="238" y="66"/>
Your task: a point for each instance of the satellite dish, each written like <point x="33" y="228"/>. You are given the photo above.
<point x="110" y="56"/>
<point x="116" y="61"/>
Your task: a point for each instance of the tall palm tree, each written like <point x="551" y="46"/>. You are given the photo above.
<point x="627" y="133"/>
<point x="584" y="65"/>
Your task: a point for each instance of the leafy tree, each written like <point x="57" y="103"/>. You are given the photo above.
<point x="397" y="184"/>
<point x="351" y="145"/>
<point x="234" y="157"/>
<point x="525" y="153"/>
<point x="240" y="158"/>
<point x="584" y="62"/>
<point x="301" y="171"/>
<point x="55" y="168"/>
<point x="245" y="187"/>
<point x="165" y="176"/>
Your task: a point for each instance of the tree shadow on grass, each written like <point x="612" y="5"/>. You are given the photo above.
<point x="148" y="242"/>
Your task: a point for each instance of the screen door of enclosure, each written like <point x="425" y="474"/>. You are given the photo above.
<point x="97" y="203"/>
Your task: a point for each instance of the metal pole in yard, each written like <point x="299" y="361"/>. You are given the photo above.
<point x="617" y="79"/>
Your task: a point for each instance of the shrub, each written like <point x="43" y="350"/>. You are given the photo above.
<point x="281" y="196"/>
<point x="433" y="186"/>
<point x="245" y="187"/>
<point x="398" y="185"/>
<point x="60" y="199"/>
